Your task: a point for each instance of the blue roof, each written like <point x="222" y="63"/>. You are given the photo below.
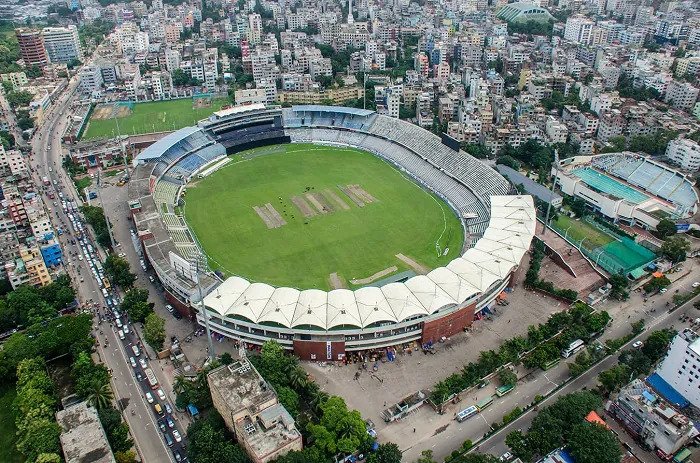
<point x="667" y="391"/>
<point x="157" y="149"/>
<point x="332" y="109"/>
<point x="649" y="396"/>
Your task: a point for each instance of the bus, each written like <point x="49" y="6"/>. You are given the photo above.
<point x="574" y="347"/>
<point x="505" y="389"/>
<point x="152" y="381"/>
<point x="482" y="404"/>
<point x="467" y="413"/>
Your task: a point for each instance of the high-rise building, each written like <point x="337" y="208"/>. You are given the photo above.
<point x="681" y="366"/>
<point x="62" y="44"/>
<point x="685" y="153"/>
<point x="31" y="47"/>
<point x="578" y="29"/>
<point x="254" y="28"/>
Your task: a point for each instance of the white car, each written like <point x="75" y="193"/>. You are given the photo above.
<point x="121" y="334"/>
<point x="149" y="397"/>
<point x="136" y="350"/>
<point x="177" y="436"/>
<point x="126" y="329"/>
<point x="663" y="290"/>
<point x="696" y="284"/>
<point x="132" y="360"/>
<point x="506" y="457"/>
<point x="161" y="394"/>
<point x="142" y="361"/>
<point x="637" y="344"/>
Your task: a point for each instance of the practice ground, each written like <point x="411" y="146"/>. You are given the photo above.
<point x="318" y="211"/>
<point x="156" y="116"/>
<point x="580" y="229"/>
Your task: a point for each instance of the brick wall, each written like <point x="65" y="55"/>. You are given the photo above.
<point x="449" y="325"/>
<point x="306" y="350"/>
<point x="184" y="309"/>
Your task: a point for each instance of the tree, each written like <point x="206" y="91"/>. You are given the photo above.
<point x="656" y="344"/>
<point x="136" y="305"/>
<point x="619" y="284"/>
<point x="593" y="443"/>
<point x="117" y="269"/>
<point x="507" y="377"/>
<point x="154" y="331"/>
<point x="19" y="98"/>
<point x="426" y="456"/>
<point x="39" y="437"/>
<point x="386" y="453"/>
<point x="614" y="378"/>
<point x="477" y="150"/>
<point x="125" y="457"/>
<point x="655" y="284"/>
<point x="116" y="430"/>
<point x="101" y="396"/>
<point x="208" y="442"/>
<point x="518" y="444"/>
<point x="226" y="358"/>
<point x="48" y="458"/>
<point x="675" y="248"/>
<point x="475" y="458"/>
<point x="95" y="216"/>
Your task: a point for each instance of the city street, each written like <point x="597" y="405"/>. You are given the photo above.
<point x="129" y="393"/>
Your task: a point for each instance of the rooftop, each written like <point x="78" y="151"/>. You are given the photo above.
<point x="272" y="429"/>
<point x="240" y="386"/>
<point x="83" y="439"/>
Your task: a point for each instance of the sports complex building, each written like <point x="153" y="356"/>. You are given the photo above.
<point x="316" y="324"/>
<point x="628" y="188"/>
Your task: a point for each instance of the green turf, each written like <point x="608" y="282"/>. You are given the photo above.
<point x="8" y="431"/>
<point x="355" y="243"/>
<point x="155" y="116"/>
<point x="580" y="229"/>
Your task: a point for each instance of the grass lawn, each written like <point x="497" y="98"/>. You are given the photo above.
<point x="355" y="242"/>
<point x="155" y="116"/>
<point x="8" y="436"/>
<point x="579" y="229"/>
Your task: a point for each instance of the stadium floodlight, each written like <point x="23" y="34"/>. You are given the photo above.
<point x="199" y="264"/>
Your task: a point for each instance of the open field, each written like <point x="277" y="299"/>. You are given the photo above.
<point x="155" y="116"/>
<point x="580" y="229"/>
<point x="8" y="431"/>
<point x="320" y="237"/>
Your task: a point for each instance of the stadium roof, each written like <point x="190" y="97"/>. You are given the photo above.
<point x="523" y="11"/>
<point x="157" y="149"/>
<point x="505" y="241"/>
<point x="238" y="109"/>
<point x="333" y="109"/>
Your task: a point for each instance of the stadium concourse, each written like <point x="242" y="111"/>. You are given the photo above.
<point x="318" y="324"/>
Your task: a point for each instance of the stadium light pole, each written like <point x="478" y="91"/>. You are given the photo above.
<point x="551" y="191"/>
<point x="196" y="260"/>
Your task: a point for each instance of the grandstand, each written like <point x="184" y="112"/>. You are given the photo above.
<point x="629" y="188"/>
<point x="498" y="227"/>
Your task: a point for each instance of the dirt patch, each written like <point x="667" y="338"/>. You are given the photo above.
<point x="362" y="193"/>
<point x="102" y="112"/>
<point x="376" y="276"/>
<point x="350" y="194"/>
<point x="337" y="199"/>
<point x="316" y="203"/>
<point x="336" y="281"/>
<point x="418" y="268"/>
<point x="303" y="206"/>
<point x="199" y="103"/>
<point x="270" y="216"/>
<point x="279" y="221"/>
<point x="327" y="206"/>
<point x="122" y="111"/>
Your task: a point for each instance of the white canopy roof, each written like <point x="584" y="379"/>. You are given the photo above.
<point x="505" y="241"/>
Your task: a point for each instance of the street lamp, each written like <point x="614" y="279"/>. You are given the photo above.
<point x="198" y="262"/>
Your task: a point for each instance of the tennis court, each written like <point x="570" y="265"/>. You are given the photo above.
<point x="609" y="185"/>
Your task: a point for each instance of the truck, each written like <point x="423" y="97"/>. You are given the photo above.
<point x="45" y="180"/>
<point x="151" y="378"/>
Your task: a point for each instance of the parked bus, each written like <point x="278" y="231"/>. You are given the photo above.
<point x="152" y="381"/>
<point x="503" y="390"/>
<point x="574" y="347"/>
<point x="467" y="413"/>
<point x="482" y="404"/>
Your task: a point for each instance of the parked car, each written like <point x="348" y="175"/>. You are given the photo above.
<point x="171" y="423"/>
<point x="177" y="436"/>
<point x="132" y="360"/>
<point x="149" y="397"/>
<point x="637" y="344"/>
<point x="143" y="363"/>
<point x="161" y="394"/>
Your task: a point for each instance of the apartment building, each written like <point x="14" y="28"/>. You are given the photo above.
<point x="685" y="153"/>
<point x="62" y="44"/>
<point x="31" y="47"/>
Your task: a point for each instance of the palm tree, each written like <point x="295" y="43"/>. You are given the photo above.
<point x="101" y="396"/>
<point x="297" y="378"/>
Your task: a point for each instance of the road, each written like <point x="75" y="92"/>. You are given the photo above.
<point x="82" y="261"/>
<point x="495" y="445"/>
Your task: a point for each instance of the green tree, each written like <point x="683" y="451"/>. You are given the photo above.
<point x="117" y="269"/>
<point x="656" y="344"/>
<point x="386" y="453"/>
<point x="208" y="442"/>
<point x="593" y="443"/>
<point x="614" y="378"/>
<point x="475" y="458"/>
<point x="116" y="430"/>
<point x="128" y="456"/>
<point x="518" y="444"/>
<point x="154" y="331"/>
<point x="619" y="285"/>
<point x="226" y="358"/>
<point x="675" y="248"/>
<point x="39" y="437"/>
<point x="655" y="284"/>
<point x="666" y="228"/>
<point x="477" y="150"/>
<point x="49" y="458"/>
<point x="100" y="396"/>
<point x="507" y="377"/>
<point x="95" y="216"/>
<point x="426" y="456"/>
<point x="88" y="377"/>
<point x="136" y="305"/>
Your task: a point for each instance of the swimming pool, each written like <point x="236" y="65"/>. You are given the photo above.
<point x="609" y="185"/>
